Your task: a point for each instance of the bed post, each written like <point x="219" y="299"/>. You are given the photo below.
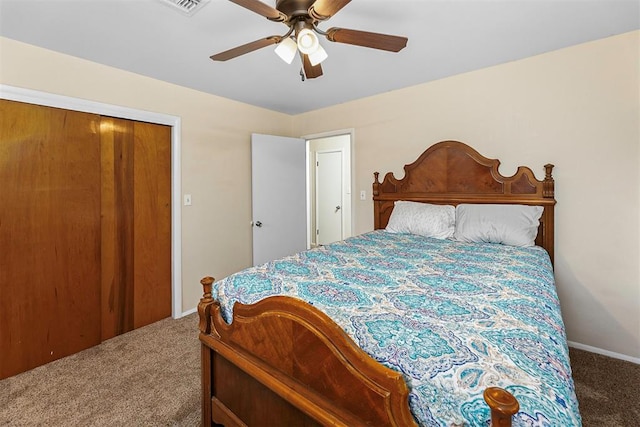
<point x="376" y="204"/>
<point x="503" y="406"/>
<point x="548" y="192"/>
<point x="204" y="312"/>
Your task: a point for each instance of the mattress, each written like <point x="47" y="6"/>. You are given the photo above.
<point x="454" y="318"/>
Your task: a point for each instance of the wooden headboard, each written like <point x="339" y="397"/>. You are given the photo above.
<point x="451" y="172"/>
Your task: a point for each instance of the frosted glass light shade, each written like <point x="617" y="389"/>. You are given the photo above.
<point x="307" y="41"/>
<point x="318" y="56"/>
<point x="286" y="50"/>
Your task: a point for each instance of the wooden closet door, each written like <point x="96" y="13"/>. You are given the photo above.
<point x="152" y="223"/>
<point x="49" y="234"/>
<point x="117" y="147"/>
<point x="136" y="224"/>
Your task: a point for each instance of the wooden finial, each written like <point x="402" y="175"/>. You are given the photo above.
<point x="376" y="184"/>
<point x="207" y="284"/>
<point x="503" y="406"/>
<point x="548" y="185"/>
<point x="204" y="307"/>
<point x="548" y="168"/>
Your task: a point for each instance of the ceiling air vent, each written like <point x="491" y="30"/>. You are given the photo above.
<point x="187" y="7"/>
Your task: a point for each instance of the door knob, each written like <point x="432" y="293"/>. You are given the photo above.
<point x="258" y="224"/>
<point x="337" y="208"/>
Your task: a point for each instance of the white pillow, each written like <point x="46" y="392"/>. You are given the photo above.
<point x="423" y="219"/>
<point x="515" y="225"/>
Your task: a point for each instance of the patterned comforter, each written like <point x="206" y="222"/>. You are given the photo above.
<point x="454" y="318"/>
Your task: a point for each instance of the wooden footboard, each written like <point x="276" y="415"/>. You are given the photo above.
<point x="283" y="362"/>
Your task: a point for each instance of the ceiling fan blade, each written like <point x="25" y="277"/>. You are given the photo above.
<point x="310" y="71"/>
<point x="367" y="39"/>
<point x="325" y="9"/>
<point x="245" y="48"/>
<point x="262" y="9"/>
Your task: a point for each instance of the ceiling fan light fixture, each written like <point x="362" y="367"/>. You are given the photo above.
<point x="307" y="41"/>
<point x="287" y="49"/>
<point x="318" y="56"/>
<point x="302" y="18"/>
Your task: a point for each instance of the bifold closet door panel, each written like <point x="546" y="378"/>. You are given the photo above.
<point x="152" y="222"/>
<point x="49" y="234"/>
<point x="117" y="148"/>
<point x="136" y="224"/>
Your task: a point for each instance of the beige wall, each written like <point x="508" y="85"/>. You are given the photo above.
<point x="577" y="108"/>
<point x="216" y="155"/>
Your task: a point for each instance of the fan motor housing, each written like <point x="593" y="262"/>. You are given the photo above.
<point x="293" y="8"/>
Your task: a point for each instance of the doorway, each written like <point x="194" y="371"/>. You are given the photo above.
<point x="284" y="209"/>
<point x="329" y="188"/>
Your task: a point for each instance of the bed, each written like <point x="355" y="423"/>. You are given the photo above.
<point x="397" y="328"/>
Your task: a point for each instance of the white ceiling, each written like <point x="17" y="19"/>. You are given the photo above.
<point x="446" y="37"/>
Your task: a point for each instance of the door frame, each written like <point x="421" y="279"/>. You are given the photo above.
<point x="46" y="99"/>
<point x="352" y="166"/>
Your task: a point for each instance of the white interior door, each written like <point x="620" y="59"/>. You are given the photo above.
<point x="279" y="200"/>
<point x="329" y="210"/>
<point x="341" y="143"/>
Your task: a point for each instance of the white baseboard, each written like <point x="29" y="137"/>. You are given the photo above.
<point x="604" y="352"/>
<point x="188" y="312"/>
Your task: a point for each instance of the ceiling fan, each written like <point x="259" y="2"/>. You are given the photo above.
<point x="302" y="18"/>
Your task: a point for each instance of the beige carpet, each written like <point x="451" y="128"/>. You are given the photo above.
<point x="147" y="377"/>
<point x="608" y="389"/>
<point x="151" y="377"/>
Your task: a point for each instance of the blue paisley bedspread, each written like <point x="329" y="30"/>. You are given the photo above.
<point x="454" y="318"/>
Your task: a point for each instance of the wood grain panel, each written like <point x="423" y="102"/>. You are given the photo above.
<point x="136" y="224"/>
<point x="49" y="234"/>
<point x="260" y="408"/>
<point x="117" y="165"/>
<point x="152" y="221"/>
